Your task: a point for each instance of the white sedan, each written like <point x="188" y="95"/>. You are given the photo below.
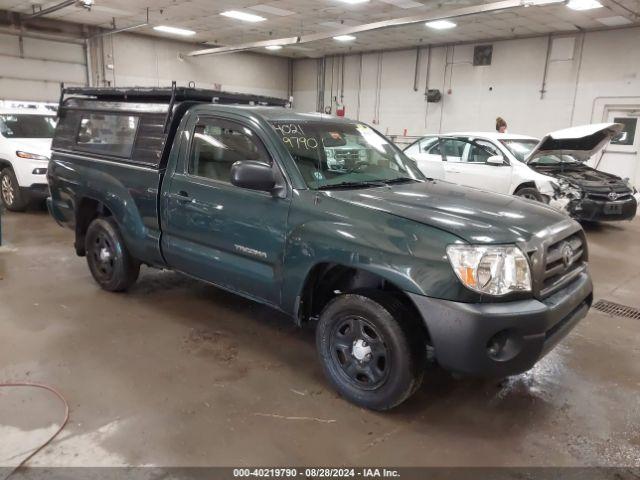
<point x="550" y="170"/>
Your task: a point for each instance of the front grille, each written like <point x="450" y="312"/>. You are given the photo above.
<point x="563" y="260"/>
<point x="347" y="155"/>
<point x="604" y="196"/>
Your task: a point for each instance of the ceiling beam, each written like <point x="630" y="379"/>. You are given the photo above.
<point x="367" y="27"/>
<point x="51" y="9"/>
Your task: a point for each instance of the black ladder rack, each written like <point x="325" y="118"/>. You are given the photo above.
<point x="174" y="93"/>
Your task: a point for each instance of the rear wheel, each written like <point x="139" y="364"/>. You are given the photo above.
<point x="10" y="192"/>
<point x="530" y="193"/>
<point x="371" y="350"/>
<point x="109" y="260"/>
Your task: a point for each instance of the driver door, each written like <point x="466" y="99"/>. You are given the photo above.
<point x="213" y="230"/>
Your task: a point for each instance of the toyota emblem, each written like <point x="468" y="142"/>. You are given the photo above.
<point x="613" y="196"/>
<point x="567" y="255"/>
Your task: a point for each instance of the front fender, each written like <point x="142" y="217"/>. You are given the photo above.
<point x="407" y="254"/>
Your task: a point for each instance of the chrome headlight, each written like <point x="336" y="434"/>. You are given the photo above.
<point x="31" y="156"/>
<point x="494" y="270"/>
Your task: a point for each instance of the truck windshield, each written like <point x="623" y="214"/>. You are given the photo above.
<point x="27" y="126"/>
<point x="331" y="154"/>
<point x="522" y="148"/>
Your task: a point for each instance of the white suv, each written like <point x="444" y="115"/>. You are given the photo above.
<point x="551" y="170"/>
<point x="25" y="147"/>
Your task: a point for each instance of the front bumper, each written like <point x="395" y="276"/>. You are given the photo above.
<point x="602" y="211"/>
<point x="30" y="172"/>
<point x="37" y="191"/>
<point x="461" y="333"/>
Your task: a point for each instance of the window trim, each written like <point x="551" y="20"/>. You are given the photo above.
<point x="80" y="146"/>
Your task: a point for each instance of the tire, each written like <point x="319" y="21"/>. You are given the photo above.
<point x="10" y="193"/>
<point x="530" y="193"/>
<point x="371" y="351"/>
<point x="110" y="263"/>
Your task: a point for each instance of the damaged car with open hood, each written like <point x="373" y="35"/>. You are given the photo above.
<point x="552" y="170"/>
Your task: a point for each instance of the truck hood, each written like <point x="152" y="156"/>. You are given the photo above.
<point x="473" y="215"/>
<point x="39" y="146"/>
<point x="580" y="142"/>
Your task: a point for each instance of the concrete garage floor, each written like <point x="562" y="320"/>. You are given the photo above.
<point x="180" y="373"/>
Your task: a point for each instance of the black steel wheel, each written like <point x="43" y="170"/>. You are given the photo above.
<point x="108" y="258"/>
<point x="359" y="349"/>
<point x="372" y="351"/>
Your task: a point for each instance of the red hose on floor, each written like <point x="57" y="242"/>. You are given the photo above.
<point x="62" y="425"/>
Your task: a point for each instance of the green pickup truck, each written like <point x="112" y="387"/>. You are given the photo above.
<point x="238" y="191"/>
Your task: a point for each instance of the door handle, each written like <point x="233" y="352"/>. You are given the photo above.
<point x="183" y="197"/>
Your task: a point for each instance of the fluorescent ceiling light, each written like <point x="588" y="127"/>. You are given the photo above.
<point x="174" y="30"/>
<point x="440" y="24"/>
<point x="583" y="4"/>
<point x="344" y="38"/>
<point x="273" y="47"/>
<point x="244" y="16"/>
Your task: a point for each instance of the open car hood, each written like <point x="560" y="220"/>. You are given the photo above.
<point x="580" y="142"/>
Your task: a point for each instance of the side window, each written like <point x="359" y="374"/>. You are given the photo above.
<point x="218" y="144"/>
<point x="433" y="148"/>
<point x="427" y="144"/>
<point x="413" y="149"/>
<point x="107" y="134"/>
<point x="453" y="149"/>
<point x="479" y="151"/>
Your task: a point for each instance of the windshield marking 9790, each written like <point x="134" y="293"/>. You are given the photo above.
<point x="338" y="154"/>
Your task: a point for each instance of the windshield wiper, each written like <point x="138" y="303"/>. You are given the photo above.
<point x="368" y="184"/>
<point x="400" y="180"/>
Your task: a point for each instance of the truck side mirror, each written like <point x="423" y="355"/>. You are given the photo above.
<point x="495" y="160"/>
<point x="253" y="175"/>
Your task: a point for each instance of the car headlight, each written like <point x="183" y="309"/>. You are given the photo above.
<point x="494" y="270"/>
<point x="568" y="190"/>
<point x="31" y="156"/>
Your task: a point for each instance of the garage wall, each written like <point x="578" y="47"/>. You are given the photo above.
<point x="32" y="69"/>
<point x="585" y="73"/>
<point x="137" y="60"/>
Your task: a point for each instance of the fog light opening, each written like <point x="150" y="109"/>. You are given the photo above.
<point x="504" y="345"/>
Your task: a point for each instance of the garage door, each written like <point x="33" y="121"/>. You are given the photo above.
<point x="34" y="70"/>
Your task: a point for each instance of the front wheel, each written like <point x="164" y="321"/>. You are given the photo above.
<point x="12" y="198"/>
<point x="530" y="193"/>
<point x="371" y="351"/>
<point x="109" y="260"/>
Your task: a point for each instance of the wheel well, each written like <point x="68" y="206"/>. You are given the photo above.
<point x="5" y="163"/>
<point x="525" y="185"/>
<point x="327" y="280"/>
<point x="87" y="210"/>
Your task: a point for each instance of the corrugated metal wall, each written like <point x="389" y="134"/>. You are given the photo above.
<point x="32" y="68"/>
